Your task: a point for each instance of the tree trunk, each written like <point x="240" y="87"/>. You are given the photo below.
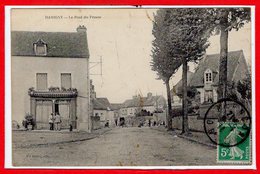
<point x="222" y="90"/>
<point x="185" y="125"/>
<point x="169" y="115"/>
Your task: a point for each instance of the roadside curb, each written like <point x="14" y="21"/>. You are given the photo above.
<point x="197" y="141"/>
<point x="186" y="138"/>
<point x="94" y="135"/>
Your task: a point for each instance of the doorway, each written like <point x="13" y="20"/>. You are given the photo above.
<point x="56" y="108"/>
<point x="121" y="121"/>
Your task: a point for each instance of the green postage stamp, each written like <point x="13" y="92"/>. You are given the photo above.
<point x="234" y="143"/>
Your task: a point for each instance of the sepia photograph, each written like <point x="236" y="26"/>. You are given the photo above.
<point x="131" y="87"/>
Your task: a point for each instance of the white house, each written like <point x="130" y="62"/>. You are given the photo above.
<point x="206" y="76"/>
<point x="50" y="74"/>
<point x="103" y="109"/>
<point x="151" y="104"/>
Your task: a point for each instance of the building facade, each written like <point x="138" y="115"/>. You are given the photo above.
<point x="150" y="103"/>
<point x="102" y="108"/>
<point x="206" y="76"/>
<point x="206" y="79"/>
<point x="50" y="74"/>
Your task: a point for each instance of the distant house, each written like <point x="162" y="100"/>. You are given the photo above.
<point x="103" y="109"/>
<point x="150" y="104"/>
<point x="154" y="104"/>
<point x="50" y="75"/>
<point x="177" y="89"/>
<point x="140" y="109"/>
<point x="206" y="76"/>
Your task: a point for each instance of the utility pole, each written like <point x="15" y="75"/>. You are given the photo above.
<point x="94" y="64"/>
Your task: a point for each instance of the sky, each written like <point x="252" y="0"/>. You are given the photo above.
<point x="123" y="39"/>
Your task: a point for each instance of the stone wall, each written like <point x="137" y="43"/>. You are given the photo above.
<point x="195" y="123"/>
<point x="212" y="113"/>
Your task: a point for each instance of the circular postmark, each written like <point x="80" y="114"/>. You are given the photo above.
<point x="227" y="122"/>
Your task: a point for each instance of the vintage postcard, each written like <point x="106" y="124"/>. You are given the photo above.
<point x="132" y="87"/>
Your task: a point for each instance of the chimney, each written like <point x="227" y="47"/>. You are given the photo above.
<point x="81" y="29"/>
<point x="149" y="95"/>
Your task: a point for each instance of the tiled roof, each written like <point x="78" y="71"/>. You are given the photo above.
<point x="142" y="101"/>
<point x="116" y="106"/>
<point x="150" y="101"/>
<point x="101" y="104"/>
<point x="212" y="62"/>
<point x="135" y="102"/>
<point x="59" y="44"/>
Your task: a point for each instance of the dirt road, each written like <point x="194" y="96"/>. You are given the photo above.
<point x="119" y="147"/>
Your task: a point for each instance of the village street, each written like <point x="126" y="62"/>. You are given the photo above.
<point x="119" y="147"/>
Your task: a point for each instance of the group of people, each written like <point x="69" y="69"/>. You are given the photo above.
<point x="55" y="121"/>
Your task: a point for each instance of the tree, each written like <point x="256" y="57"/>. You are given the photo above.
<point x="189" y="31"/>
<point x="226" y="19"/>
<point x="162" y="61"/>
<point x="191" y="93"/>
<point x="244" y="89"/>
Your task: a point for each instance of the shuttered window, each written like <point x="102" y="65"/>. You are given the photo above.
<point x="41" y="81"/>
<point x="66" y="80"/>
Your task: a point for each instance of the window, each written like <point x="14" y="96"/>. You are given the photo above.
<point x="208" y="76"/>
<point x="41" y="81"/>
<point x="40" y="48"/>
<point x="65" y="80"/>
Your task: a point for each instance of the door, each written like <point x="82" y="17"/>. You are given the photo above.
<point x="64" y="111"/>
<point x="43" y="110"/>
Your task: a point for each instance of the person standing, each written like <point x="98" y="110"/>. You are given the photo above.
<point x="57" y="122"/>
<point x="51" y="121"/>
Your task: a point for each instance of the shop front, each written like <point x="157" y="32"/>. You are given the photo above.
<point x="43" y="103"/>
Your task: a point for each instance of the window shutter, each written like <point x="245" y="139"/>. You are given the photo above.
<point x="66" y="80"/>
<point x="41" y="81"/>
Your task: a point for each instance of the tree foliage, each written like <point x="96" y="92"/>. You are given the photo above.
<point x="225" y="20"/>
<point x="190" y="29"/>
<point x="236" y="18"/>
<point x="244" y="88"/>
<point x="181" y="35"/>
<point x="163" y="62"/>
<point x="191" y="93"/>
